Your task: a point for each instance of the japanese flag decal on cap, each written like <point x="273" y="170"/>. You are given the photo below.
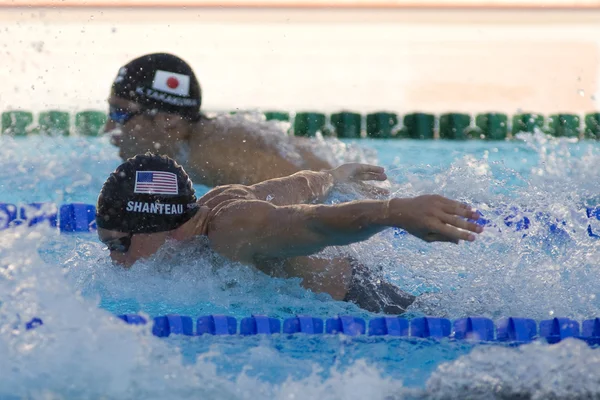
<point x="171" y="82"/>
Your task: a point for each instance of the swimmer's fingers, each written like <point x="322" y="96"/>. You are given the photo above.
<point x="454" y="224"/>
<point x="452" y="233"/>
<point x="372" y="173"/>
<point x="358" y="172"/>
<point x="434" y="218"/>
<point x="459" y="209"/>
<point x="371" y="177"/>
<point x="367" y="172"/>
<point x="461" y="223"/>
<point x="369" y="168"/>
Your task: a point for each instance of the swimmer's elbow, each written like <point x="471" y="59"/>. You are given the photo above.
<point x="290" y="232"/>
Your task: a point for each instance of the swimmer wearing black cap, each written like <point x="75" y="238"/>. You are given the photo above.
<point x="275" y="225"/>
<point x="154" y="106"/>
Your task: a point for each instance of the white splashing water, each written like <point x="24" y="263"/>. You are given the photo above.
<point x="58" y="169"/>
<point x="82" y="351"/>
<point x="567" y="370"/>
<point x="539" y="275"/>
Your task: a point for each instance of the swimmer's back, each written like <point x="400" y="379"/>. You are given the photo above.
<point x="226" y="154"/>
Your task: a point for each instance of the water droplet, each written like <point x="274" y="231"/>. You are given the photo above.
<point x="581" y="92"/>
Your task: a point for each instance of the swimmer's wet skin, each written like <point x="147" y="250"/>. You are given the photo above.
<point x="154" y="106"/>
<point x="150" y="198"/>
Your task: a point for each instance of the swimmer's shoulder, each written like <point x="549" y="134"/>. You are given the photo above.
<point x="223" y="128"/>
<point x="225" y="194"/>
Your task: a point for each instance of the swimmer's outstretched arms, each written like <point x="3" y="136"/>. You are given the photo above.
<point x="274" y="225"/>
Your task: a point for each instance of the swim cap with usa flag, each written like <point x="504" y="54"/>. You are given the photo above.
<point x="146" y="194"/>
<point x="160" y="81"/>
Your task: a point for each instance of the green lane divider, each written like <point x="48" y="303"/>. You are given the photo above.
<point x="527" y="123"/>
<point x="309" y="123"/>
<point x="16" y="123"/>
<point x="564" y="125"/>
<point x="592" y="126"/>
<point x="418" y="126"/>
<point x="54" y="123"/>
<point x="380" y="125"/>
<point x="347" y="125"/>
<point x="455" y="126"/>
<point x="343" y="124"/>
<point x="493" y="126"/>
<point x="89" y="122"/>
<point x="277" y="116"/>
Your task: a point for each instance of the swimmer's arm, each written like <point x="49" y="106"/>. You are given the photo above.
<point x="313" y="187"/>
<point x="300" y="188"/>
<point x="251" y="230"/>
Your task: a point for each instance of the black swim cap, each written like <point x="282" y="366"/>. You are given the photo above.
<point x="160" y="81"/>
<point x="146" y="194"/>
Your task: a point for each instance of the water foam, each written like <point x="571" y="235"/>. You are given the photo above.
<point x="58" y="169"/>
<point x="567" y="370"/>
<point x="538" y="273"/>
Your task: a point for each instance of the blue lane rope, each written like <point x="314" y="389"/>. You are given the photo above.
<point x="511" y="330"/>
<point x="478" y="329"/>
<point x="80" y="217"/>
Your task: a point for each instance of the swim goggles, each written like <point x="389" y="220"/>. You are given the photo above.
<point x="122" y="115"/>
<point x="120" y="244"/>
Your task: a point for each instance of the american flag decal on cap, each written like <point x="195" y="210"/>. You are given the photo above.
<point x="155" y="182"/>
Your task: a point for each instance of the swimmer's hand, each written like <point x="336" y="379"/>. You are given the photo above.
<point x="434" y="218"/>
<point x="356" y="174"/>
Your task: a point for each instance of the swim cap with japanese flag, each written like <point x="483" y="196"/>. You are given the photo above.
<point x="160" y="81"/>
<point x="171" y="82"/>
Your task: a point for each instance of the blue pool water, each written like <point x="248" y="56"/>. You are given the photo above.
<point x="82" y="351"/>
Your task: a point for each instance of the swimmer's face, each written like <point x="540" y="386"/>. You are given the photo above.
<point x="140" y="245"/>
<point x="137" y="131"/>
